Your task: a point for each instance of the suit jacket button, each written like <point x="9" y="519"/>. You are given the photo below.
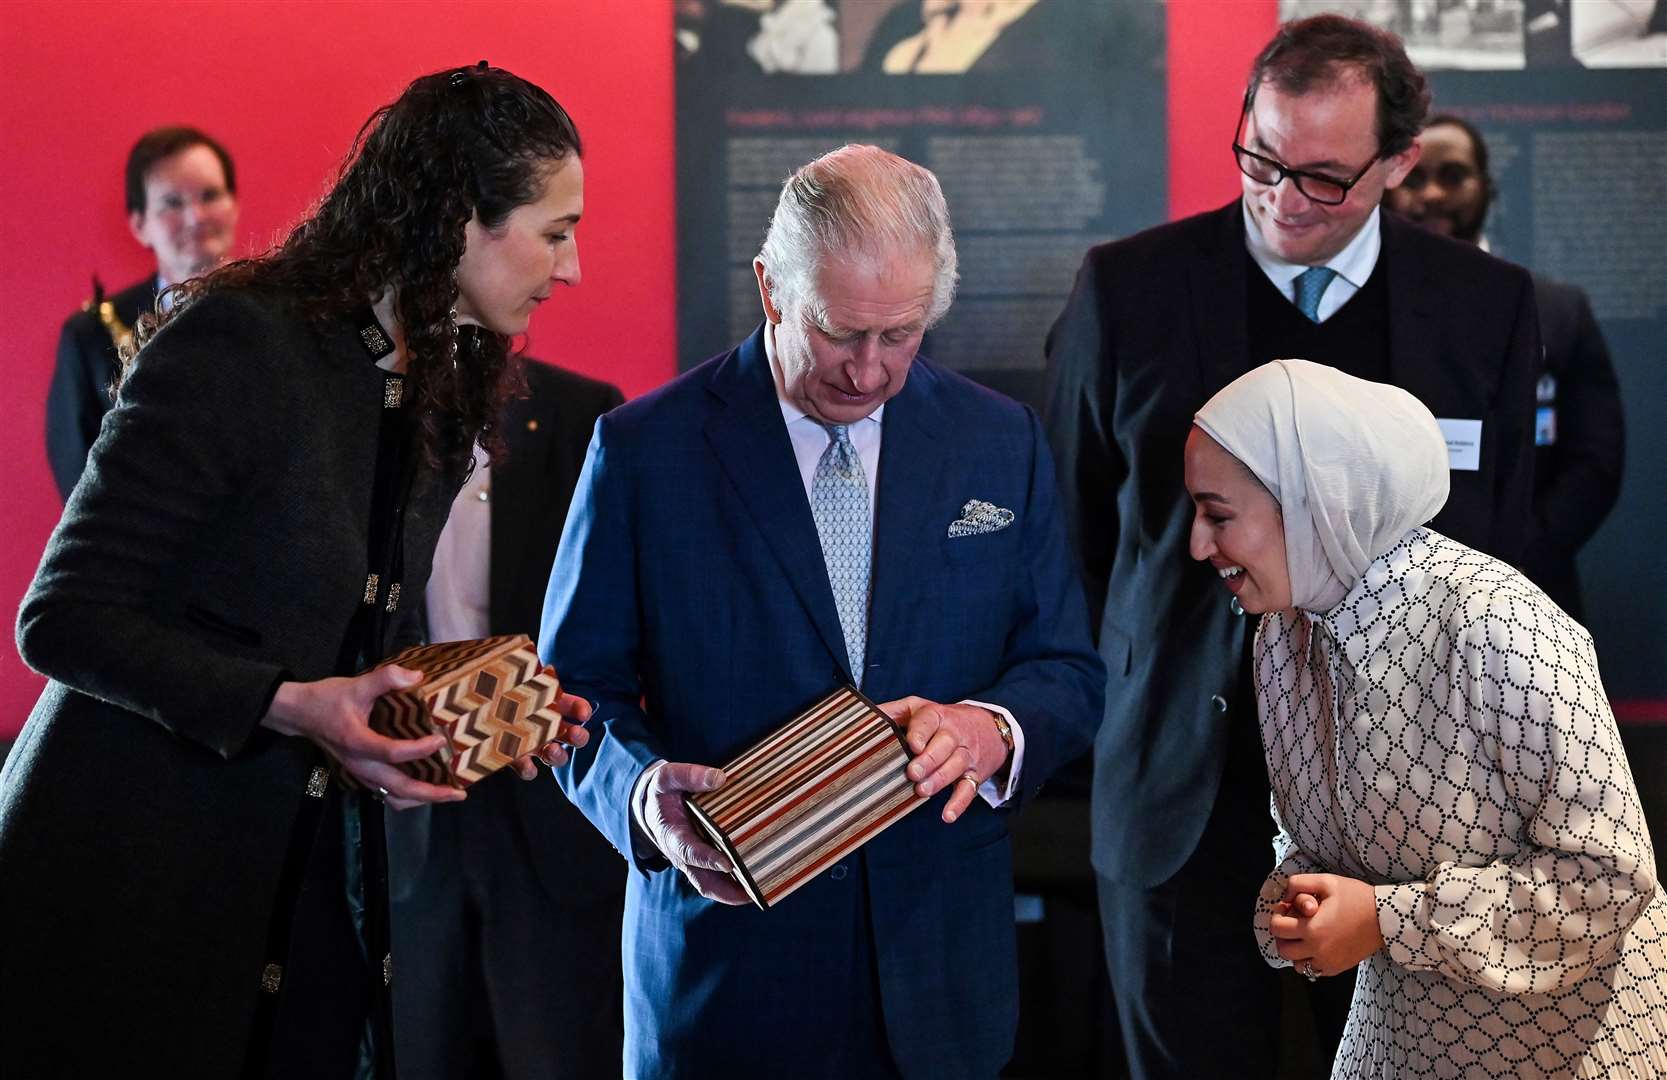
<point x="838" y="872"/>
<point x="1218" y="702"/>
<point x="1235" y="607"/>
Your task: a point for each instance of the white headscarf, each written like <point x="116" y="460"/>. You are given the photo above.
<point x="1353" y="464"/>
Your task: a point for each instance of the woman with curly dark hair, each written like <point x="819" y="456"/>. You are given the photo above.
<point x="188" y="878"/>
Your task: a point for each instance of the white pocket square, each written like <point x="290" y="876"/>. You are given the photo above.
<point x="979" y="517"/>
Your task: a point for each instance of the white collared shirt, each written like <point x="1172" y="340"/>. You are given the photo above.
<point x="810" y="437"/>
<point x="458" y="600"/>
<point x="1354" y="264"/>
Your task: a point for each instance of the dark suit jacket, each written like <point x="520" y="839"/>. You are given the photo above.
<point x="1577" y="478"/>
<point x="215" y="547"/>
<point x="80" y="392"/>
<point x="690" y="599"/>
<point x="1155" y="326"/>
<point x="546" y="433"/>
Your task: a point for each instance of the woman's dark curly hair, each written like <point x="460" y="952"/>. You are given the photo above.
<point x="465" y="142"/>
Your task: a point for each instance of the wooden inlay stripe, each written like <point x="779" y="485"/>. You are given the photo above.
<point x="808" y="794"/>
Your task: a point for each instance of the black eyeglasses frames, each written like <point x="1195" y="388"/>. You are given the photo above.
<point x="1326" y="190"/>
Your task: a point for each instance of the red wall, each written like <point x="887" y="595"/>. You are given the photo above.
<point x="1211" y="45"/>
<point x="286" y="85"/>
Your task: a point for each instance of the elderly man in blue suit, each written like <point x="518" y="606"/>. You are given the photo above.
<point x="817" y="507"/>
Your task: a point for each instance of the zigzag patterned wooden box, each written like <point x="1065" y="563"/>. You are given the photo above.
<point x="806" y="796"/>
<point x="489" y="697"/>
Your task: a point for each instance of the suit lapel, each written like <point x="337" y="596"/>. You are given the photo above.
<point x="1216" y="284"/>
<point x="914" y="453"/>
<point x="1414" y="316"/>
<point x="516" y="506"/>
<point x="750" y="441"/>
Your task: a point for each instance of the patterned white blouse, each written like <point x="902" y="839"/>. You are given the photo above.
<point x="1442" y="734"/>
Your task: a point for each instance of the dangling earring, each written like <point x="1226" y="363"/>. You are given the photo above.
<point x="451" y="321"/>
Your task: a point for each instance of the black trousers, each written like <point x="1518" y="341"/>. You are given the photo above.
<point x="1193" y="994"/>
<point x="494" y="977"/>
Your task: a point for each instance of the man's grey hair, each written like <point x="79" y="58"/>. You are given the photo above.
<point x="857" y="202"/>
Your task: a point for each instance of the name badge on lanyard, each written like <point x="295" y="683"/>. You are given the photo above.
<point x="1545" y="412"/>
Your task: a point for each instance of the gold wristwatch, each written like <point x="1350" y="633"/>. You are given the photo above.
<point x="1005" y="730"/>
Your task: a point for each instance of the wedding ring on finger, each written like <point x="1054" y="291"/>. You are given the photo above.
<point x="1308" y="971"/>
<point x="381" y="794"/>
<point x="971" y="778"/>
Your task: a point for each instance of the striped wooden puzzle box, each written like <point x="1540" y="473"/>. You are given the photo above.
<point x="808" y="795"/>
<point x="490" y="697"/>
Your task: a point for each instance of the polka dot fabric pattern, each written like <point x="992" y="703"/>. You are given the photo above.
<point x="1443" y="734"/>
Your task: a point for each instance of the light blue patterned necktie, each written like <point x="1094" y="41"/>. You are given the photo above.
<point x="1311" y="285"/>
<point x="839" y="502"/>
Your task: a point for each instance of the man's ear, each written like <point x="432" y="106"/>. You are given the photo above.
<point x="771" y="311"/>
<point x="136" y="226"/>
<point x="1401" y="164"/>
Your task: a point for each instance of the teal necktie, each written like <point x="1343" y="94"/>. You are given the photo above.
<point x="1311" y="285"/>
<point x="839" y="503"/>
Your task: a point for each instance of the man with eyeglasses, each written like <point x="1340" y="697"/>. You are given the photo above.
<point x="1305" y="265"/>
<point x="1579" y="436"/>
<point x="181" y="190"/>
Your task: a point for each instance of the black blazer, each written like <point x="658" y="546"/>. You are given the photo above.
<point x="80" y="392"/>
<point x="1154" y="326"/>
<point x="216" y="546"/>
<point x="546" y="434"/>
<point x="1577" y="477"/>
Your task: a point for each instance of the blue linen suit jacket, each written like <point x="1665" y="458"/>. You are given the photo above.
<point x="690" y="601"/>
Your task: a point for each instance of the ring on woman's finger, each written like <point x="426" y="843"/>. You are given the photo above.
<point x="1308" y="971"/>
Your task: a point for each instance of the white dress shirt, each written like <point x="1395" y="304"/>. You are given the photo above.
<point x="458" y="600"/>
<point x="1354" y="264"/>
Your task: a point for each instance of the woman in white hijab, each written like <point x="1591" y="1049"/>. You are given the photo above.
<point x="1454" y="810"/>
